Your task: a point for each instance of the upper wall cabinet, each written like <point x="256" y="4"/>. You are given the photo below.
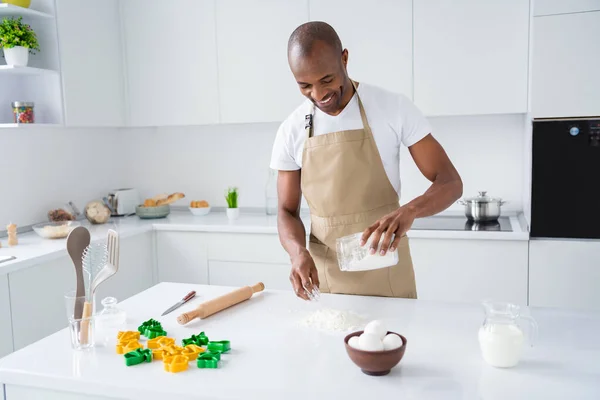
<point x="255" y="82"/>
<point x="566" y="55"/>
<point x="552" y="7"/>
<point x="471" y="57"/>
<point x="171" y="62"/>
<point x="91" y="62"/>
<point x="378" y="36"/>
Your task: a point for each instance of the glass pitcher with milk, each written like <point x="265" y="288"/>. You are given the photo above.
<point x="501" y="338"/>
<point x="354" y="257"/>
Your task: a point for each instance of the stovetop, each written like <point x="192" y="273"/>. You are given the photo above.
<point x="451" y="223"/>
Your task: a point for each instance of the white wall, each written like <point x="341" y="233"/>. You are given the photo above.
<point x="43" y="168"/>
<point x="203" y="161"/>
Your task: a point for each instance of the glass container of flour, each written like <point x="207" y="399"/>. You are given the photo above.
<point x="501" y="337"/>
<point x="354" y="257"/>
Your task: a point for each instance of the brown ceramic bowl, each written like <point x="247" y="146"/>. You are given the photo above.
<point x="375" y="363"/>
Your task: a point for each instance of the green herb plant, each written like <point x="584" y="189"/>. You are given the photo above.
<point x="231" y="195"/>
<point x="13" y="32"/>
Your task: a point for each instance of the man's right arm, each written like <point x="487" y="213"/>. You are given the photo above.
<point x="292" y="234"/>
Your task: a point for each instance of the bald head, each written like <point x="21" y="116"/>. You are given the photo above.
<point x="318" y="62"/>
<point x="304" y="38"/>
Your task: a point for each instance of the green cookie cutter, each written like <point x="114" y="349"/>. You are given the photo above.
<point x="221" y="346"/>
<point x="151" y="329"/>
<point x="199" y="340"/>
<point x="138" y="356"/>
<point x="208" y="360"/>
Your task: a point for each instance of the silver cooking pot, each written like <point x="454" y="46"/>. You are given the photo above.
<point x="482" y="208"/>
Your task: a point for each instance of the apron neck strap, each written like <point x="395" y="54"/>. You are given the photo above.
<point x="308" y="119"/>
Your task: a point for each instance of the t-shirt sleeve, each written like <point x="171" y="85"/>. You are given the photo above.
<point x="413" y="125"/>
<point x="282" y="156"/>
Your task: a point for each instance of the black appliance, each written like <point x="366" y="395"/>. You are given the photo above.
<point x="565" y="181"/>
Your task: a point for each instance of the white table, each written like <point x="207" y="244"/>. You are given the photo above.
<point x="274" y="358"/>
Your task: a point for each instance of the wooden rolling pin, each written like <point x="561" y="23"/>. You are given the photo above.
<point x="220" y="303"/>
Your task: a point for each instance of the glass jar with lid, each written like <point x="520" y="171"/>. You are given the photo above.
<point x="23" y="112"/>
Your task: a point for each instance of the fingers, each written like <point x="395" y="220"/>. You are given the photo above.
<point x="394" y="245"/>
<point x="297" y="285"/>
<point x="314" y="277"/>
<point x="387" y="239"/>
<point x="367" y="233"/>
<point x="376" y="236"/>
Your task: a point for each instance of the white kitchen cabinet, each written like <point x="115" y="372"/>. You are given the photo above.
<point x="235" y="273"/>
<point x="182" y="257"/>
<point x="454" y="270"/>
<point x="37" y="293"/>
<point x="37" y="299"/>
<point x="171" y="61"/>
<point x="243" y="247"/>
<point x="564" y="274"/>
<point x="551" y="7"/>
<point x="566" y="54"/>
<point x="378" y="36"/>
<point x="6" y="337"/>
<point x="471" y="57"/>
<point x="255" y="82"/>
<point x="91" y="60"/>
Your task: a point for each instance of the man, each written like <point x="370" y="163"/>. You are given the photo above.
<point x="340" y="149"/>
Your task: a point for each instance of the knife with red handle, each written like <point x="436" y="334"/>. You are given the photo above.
<point x="187" y="298"/>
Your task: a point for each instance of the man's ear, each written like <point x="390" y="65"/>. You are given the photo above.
<point x="345" y="57"/>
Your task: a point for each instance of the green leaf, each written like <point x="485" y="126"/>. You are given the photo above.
<point x="13" y="32"/>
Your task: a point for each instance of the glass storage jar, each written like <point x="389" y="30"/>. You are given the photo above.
<point x="23" y="112"/>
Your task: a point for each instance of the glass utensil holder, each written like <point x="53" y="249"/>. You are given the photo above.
<point x="81" y="328"/>
<point x="354" y="257"/>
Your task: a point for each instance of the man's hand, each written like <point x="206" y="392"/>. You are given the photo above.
<point x="393" y="226"/>
<point x="304" y="275"/>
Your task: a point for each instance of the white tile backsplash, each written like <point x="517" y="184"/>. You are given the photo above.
<point x="42" y="168"/>
<point x="203" y="161"/>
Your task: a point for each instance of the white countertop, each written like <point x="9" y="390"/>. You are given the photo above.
<point x="32" y="249"/>
<point x="273" y="357"/>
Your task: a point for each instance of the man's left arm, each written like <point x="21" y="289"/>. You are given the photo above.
<point x="446" y="187"/>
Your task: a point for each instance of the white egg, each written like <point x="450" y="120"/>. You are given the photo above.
<point x="353" y="342"/>
<point x="370" y="342"/>
<point x="376" y="328"/>
<point x="391" y="342"/>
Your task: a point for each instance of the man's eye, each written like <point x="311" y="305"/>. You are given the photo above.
<point x="327" y="82"/>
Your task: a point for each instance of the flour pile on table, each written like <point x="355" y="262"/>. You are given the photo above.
<point x="332" y="320"/>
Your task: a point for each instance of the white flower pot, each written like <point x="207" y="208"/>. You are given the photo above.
<point x="233" y="213"/>
<point x="17" y="55"/>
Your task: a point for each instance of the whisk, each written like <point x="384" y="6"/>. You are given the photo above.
<point x="95" y="257"/>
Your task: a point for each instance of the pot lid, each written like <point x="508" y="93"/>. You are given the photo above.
<point x="483" y="198"/>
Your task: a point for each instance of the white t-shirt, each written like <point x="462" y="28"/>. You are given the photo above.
<point x="393" y="118"/>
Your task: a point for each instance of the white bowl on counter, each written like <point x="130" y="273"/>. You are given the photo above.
<point x="55" y="230"/>
<point x="199" y="211"/>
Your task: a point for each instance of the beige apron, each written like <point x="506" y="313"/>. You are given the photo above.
<point x="347" y="190"/>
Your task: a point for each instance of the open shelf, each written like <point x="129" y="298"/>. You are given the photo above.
<point x="9" y="10"/>
<point x="29" y="126"/>
<point x="16" y="70"/>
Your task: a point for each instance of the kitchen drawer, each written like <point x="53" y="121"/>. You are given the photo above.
<point x="246" y="247"/>
<point x="228" y="273"/>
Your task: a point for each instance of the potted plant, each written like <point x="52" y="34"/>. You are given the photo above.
<point x="231" y="195"/>
<point x="17" y="40"/>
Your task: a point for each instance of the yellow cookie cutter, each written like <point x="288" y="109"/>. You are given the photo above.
<point x="176" y="363"/>
<point x="191" y="351"/>
<point x="165" y="351"/>
<point x="126" y="347"/>
<point x="126" y="336"/>
<point x="160" y="341"/>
